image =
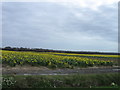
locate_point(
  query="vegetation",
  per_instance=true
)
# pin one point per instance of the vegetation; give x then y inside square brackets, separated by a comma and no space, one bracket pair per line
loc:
[51,60]
[45,81]
[86,55]
[58,51]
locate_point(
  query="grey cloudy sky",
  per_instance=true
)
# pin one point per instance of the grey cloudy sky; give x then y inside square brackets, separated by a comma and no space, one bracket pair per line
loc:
[84,26]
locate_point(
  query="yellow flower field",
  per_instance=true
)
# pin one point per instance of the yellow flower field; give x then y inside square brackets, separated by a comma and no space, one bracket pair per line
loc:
[51,60]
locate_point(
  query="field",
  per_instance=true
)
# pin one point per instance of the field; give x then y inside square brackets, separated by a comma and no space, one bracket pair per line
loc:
[57,60]
[49,62]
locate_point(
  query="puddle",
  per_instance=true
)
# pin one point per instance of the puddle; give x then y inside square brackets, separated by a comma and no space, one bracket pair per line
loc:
[46,74]
[116,69]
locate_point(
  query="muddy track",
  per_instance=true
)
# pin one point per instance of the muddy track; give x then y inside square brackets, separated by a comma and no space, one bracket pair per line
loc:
[28,70]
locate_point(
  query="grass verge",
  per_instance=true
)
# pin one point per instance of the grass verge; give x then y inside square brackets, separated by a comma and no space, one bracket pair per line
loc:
[110,80]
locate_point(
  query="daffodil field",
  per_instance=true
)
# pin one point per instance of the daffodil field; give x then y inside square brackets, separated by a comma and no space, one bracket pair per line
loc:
[52,60]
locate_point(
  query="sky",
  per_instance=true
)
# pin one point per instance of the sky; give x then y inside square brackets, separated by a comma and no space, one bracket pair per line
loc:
[77,25]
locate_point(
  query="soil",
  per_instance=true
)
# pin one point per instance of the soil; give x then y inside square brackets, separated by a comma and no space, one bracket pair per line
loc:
[32,70]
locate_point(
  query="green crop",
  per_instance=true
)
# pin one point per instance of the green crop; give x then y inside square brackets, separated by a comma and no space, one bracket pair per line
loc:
[14,58]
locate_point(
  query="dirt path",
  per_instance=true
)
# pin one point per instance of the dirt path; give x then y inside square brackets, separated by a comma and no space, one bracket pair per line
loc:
[29,70]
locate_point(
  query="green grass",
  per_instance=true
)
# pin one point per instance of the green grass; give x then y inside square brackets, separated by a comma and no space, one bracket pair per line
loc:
[58,81]
[107,87]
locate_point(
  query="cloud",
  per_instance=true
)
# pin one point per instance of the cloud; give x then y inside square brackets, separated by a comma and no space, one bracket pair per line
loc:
[69,26]
[0,25]
[92,4]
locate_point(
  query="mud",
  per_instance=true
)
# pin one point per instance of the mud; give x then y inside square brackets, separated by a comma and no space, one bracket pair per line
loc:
[30,70]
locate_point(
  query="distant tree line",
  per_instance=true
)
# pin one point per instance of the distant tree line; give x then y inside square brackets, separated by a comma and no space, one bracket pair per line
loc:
[59,51]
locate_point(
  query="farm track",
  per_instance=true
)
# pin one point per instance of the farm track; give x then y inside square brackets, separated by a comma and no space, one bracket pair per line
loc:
[28,70]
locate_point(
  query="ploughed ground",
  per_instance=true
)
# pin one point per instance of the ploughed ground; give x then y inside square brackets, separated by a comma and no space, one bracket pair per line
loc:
[33,70]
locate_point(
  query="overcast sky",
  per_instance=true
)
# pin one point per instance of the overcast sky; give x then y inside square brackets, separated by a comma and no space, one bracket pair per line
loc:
[84,25]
